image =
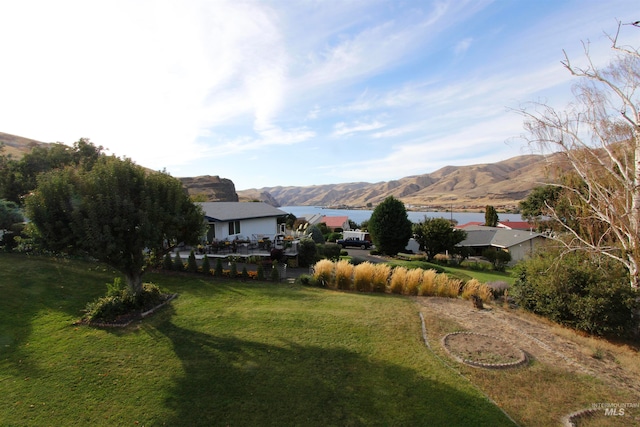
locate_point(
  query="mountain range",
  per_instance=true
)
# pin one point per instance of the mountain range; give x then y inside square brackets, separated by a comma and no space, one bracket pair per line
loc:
[502,185]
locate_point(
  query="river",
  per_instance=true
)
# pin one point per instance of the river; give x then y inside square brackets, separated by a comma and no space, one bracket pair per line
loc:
[359,216]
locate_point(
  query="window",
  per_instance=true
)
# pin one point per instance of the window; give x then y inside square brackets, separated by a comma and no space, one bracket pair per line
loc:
[234,227]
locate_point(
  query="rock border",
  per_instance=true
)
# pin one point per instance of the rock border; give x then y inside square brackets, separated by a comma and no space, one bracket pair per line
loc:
[521,360]
[572,419]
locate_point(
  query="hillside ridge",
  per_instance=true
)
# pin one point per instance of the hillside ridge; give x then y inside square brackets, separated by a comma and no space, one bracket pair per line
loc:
[502,185]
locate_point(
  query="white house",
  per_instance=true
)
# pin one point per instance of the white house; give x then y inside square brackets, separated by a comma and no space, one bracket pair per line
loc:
[242,221]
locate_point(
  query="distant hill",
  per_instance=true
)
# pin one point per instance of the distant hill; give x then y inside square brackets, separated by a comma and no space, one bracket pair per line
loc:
[18,146]
[502,185]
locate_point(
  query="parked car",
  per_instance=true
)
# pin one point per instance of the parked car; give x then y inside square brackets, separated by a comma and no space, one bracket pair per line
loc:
[354,243]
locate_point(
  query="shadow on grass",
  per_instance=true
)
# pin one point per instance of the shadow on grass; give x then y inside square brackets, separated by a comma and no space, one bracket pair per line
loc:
[230,381]
[33,284]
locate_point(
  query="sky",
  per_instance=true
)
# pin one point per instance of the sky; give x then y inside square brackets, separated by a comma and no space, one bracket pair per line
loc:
[295,92]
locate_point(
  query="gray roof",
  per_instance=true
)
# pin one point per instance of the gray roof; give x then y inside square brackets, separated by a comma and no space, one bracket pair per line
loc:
[494,236]
[231,211]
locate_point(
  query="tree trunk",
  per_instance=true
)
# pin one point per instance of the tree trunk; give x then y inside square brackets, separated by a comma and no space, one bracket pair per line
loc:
[134,281]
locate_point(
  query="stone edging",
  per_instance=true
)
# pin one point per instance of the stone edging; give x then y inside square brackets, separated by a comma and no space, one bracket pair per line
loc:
[521,361]
[571,419]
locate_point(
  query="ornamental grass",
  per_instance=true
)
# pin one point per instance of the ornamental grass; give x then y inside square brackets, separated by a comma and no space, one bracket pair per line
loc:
[343,275]
[428,284]
[398,280]
[380,277]
[413,280]
[363,275]
[474,287]
[446,286]
[323,272]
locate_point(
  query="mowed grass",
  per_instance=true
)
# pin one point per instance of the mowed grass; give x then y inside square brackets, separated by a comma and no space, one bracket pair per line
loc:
[223,353]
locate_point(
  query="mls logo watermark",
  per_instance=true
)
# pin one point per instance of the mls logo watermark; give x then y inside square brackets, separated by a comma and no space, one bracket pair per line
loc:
[614,409]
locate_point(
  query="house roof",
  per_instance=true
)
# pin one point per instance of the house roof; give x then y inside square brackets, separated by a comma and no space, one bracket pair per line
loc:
[496,236]
[335,221]
[232,211]
[515,225]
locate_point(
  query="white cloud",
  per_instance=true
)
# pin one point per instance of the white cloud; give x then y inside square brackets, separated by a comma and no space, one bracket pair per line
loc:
[463,45]
[342,129]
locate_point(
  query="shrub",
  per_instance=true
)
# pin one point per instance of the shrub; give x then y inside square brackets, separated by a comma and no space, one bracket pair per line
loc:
[343,275]
[586,292]
[245,273]
[306,280]
[260,272]
[275,273]
[120,302]
[206,266]
[233,270]
[167,262]
[192,265]
[498,288]
[381,277]
[218,271]
[474,287]
[363,275]
[428,284]
[412,285]
[330,251]
[307,252]
[441,259]
[498,258]
[323,272]
[446,286]
[178,265]
[398,280]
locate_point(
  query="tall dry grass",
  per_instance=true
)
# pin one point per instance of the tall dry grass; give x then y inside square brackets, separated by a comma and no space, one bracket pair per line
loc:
[474,287]
[398,279]
[447,286]
[381,277]
[413,281]
[363,277]
[323,272]
[343,275]
[428,284]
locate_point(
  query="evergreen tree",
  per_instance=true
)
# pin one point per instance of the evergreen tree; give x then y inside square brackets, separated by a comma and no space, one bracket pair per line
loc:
[490,216]
[206,266]
[390,226]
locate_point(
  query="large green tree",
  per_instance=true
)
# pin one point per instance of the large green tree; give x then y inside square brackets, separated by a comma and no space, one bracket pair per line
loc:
[436,236]
[116,212]
[390,227]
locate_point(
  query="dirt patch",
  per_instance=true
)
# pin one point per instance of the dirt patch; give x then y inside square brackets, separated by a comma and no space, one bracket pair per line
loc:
[483,350]
[538,340]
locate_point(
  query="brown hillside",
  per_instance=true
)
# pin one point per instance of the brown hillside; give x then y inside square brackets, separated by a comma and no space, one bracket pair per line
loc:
[503,185]
[17,146]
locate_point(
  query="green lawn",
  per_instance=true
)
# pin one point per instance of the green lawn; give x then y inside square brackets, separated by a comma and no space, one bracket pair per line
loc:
[223,353]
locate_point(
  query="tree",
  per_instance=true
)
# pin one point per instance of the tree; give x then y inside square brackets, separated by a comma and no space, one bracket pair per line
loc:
[9,214]
[390,226]
[437,235]
[497,257]
[490,216]
[598,138]
[115,212]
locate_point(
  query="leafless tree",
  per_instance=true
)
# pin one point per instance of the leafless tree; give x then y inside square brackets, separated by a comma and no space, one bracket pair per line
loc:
[598,135]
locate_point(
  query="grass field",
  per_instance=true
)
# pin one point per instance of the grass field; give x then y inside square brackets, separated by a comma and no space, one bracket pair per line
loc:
[223,353]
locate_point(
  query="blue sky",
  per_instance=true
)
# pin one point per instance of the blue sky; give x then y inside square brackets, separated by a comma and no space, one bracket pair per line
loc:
[294,92]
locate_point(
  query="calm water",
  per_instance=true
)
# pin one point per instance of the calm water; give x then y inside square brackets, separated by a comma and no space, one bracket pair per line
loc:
[362,215]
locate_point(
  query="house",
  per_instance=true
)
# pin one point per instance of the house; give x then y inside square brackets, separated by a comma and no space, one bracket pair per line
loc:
[335,222]
[242,221]
[518,243]
[509,225]
[332,222]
